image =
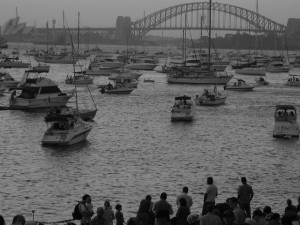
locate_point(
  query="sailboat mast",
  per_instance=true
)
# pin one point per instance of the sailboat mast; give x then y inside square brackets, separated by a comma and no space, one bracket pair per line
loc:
[47,35]
[17,31]
[256,37]
[209,34]
[78,31]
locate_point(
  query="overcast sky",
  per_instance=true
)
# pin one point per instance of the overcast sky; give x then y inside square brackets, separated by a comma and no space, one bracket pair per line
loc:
[103,13]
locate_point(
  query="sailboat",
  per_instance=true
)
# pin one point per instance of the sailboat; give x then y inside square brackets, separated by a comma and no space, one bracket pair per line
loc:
[87,113]
[198,75]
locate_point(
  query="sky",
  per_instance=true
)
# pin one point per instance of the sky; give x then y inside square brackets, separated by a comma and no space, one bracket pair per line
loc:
[103,13]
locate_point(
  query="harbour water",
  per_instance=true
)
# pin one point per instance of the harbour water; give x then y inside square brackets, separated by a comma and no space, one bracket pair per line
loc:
[134,150]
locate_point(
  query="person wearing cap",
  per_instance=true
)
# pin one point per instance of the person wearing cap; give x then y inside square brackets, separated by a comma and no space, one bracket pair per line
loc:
[99,219]
[245,195]
[210,195]
[162,210]
[185,195]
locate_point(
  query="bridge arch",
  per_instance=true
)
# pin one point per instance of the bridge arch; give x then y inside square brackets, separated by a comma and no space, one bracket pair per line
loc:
[152,21]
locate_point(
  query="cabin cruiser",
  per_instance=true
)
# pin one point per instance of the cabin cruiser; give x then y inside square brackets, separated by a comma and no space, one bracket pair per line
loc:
[42,68]
[124,73]
[185,75]
[277,67]
[142,63]
[38,92]
[79,78]
[13,62]
[211,97]
[286,124]
[183,109]
[239,85]
[65,129]
[117,88]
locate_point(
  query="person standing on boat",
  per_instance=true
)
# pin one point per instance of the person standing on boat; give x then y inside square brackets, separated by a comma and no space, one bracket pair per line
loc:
[210,195]
[12,97]
[86,209]
[245,195]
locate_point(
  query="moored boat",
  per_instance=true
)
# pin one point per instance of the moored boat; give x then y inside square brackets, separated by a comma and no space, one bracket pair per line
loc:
[7,80]
[38,92]
[183,109]
[65,129]
[240,85]
[277,67]
[293,80]
[42,68]
[211,97]
[286,124]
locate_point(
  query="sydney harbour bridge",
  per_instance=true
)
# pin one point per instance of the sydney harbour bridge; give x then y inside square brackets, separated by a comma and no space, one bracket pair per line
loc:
[193,16]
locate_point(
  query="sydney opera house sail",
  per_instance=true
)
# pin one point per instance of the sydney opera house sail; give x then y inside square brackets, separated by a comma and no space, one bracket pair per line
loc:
[10,26]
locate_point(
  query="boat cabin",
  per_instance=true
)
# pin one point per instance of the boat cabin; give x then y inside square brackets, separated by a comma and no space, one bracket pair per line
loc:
[286,113]
[183,102]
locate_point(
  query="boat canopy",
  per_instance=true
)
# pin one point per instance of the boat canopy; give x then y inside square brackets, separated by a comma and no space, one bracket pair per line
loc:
[184,97]
[58,117]
[285,107]
[240,80]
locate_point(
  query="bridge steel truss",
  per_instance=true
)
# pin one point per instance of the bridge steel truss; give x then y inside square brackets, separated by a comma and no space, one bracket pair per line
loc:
[256,22]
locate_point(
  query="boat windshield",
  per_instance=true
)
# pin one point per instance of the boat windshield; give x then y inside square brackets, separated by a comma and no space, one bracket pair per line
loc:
[285,114]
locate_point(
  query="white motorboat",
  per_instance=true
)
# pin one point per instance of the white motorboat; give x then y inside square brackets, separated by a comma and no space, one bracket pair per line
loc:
[183,109]
[42,68]
[7,80]
[141,63]
[129,82]
[293,81]
[97,69]
[211,97]
[38,92]
[124,73]
[196,76]
[80,79]
[261,81]
[65,129]
[13,62]
[286,124]
[239,85]
[119,89]
[277,67]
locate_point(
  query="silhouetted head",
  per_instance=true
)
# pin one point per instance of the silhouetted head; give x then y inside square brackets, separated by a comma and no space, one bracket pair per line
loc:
[185,189]
[18,220]
[118,207]
[289,202]
[163,196]
[244,180]
[210,180]
[148,197]
[86,198]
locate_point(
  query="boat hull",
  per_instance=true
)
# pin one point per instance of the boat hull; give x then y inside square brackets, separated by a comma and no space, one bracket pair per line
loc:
[119,91]
[239,88]
[210,102]
[141,66]
[70,138]
[285,129]
[199,80]
[252,71]
[46,102]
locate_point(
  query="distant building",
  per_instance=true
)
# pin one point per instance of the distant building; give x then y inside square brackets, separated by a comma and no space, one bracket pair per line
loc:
[123,28]
[293,32]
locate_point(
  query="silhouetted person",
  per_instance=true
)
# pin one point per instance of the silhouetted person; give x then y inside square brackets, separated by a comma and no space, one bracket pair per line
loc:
[245,195]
